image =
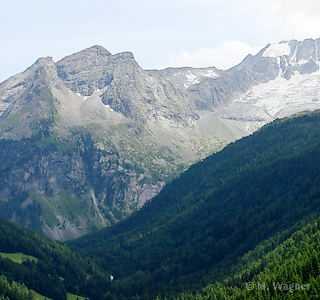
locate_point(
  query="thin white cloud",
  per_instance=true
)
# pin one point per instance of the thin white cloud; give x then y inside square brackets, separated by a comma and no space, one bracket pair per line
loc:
[151,29]
[226,55]
[285,19]
[271,20]
[299,26]
[285,7]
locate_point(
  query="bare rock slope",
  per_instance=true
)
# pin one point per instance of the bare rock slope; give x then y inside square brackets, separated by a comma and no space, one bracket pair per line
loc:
[89,139]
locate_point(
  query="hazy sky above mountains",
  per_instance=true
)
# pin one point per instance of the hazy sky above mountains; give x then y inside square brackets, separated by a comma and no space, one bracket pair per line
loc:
[198,33]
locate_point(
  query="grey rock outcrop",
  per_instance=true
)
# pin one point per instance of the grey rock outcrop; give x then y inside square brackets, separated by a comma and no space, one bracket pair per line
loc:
[89,139]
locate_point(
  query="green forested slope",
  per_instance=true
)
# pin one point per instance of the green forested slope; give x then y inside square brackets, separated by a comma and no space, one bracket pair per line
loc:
[247,215]
[290,271]
[56,270]
[14,291]
[196,230]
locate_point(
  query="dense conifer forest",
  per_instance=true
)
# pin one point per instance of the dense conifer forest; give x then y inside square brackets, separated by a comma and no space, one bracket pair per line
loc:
[290,271]
[198,228]
[242,224]
[56,271]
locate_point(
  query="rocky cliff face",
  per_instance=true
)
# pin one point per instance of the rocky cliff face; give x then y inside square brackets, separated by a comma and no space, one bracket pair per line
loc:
[89,139]
[124,87]
[100,137]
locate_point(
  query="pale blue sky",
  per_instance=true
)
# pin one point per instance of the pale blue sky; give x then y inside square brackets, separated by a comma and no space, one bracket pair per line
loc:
[163,33]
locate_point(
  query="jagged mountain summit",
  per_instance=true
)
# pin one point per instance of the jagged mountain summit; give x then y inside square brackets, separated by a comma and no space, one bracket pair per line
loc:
[89,139]
[294,84]
[280,80]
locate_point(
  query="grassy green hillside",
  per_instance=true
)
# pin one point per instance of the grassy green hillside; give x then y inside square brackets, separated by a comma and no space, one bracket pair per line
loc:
[48,268]
[198,228]
[18,291]
[18,257]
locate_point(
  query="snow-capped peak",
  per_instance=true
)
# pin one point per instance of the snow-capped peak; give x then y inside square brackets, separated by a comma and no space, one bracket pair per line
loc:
[277,50]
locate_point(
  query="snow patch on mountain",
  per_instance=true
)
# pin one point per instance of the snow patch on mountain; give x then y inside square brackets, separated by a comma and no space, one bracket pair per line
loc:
[302,62]
[277,50]
[210,74]
[192,79]
[280,97]
[195,76]
[276,98]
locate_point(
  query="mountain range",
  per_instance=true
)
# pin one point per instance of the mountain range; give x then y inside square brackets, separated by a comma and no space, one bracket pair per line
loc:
[84,146]
[241,224]
[89,139]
